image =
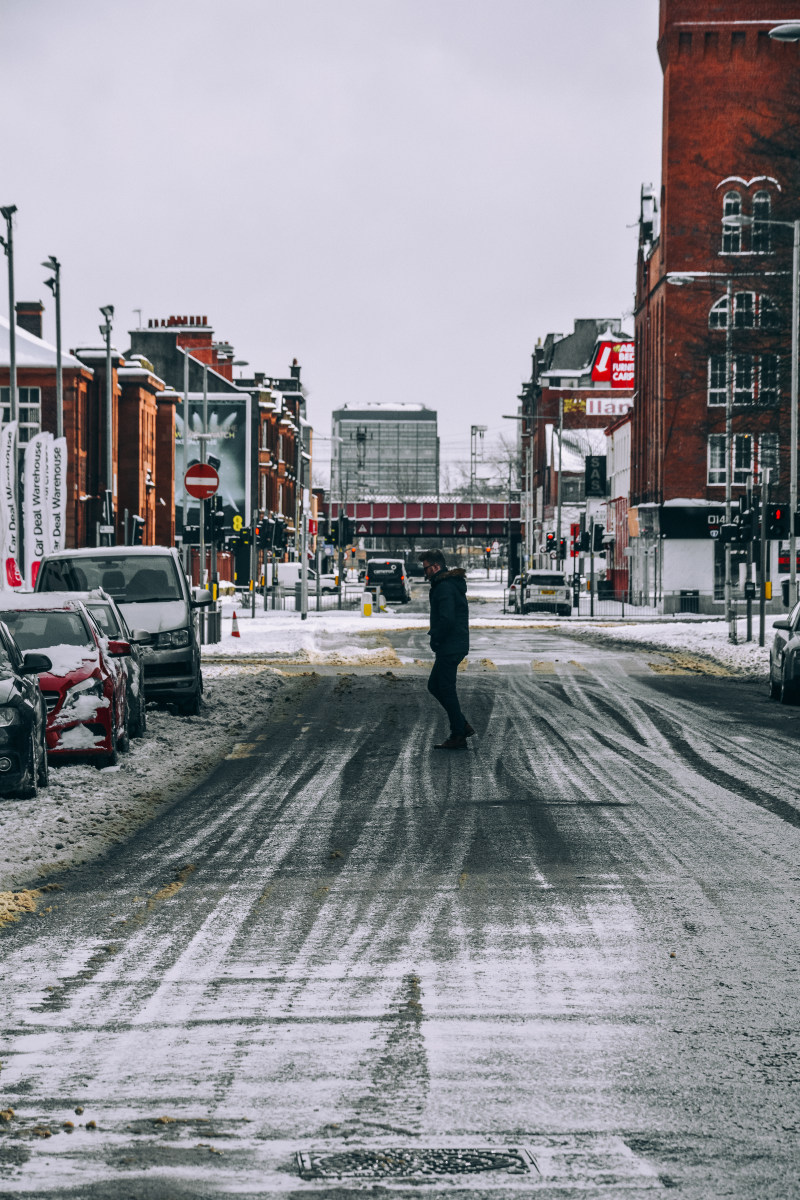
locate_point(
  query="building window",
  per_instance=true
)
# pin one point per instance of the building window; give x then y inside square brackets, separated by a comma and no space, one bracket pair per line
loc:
[769,454]
[29,404]
[768,385]
[716,459]
[768,314]
[731,234]
[743,379]
[744,310]
[718,316]
[743,447]
[750,310]
[717,379]
[762,208]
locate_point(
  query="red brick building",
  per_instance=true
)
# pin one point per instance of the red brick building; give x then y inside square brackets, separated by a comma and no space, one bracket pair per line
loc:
[730,149]
[573,373]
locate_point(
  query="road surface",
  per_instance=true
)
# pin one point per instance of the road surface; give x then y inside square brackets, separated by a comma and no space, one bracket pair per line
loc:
[561,963]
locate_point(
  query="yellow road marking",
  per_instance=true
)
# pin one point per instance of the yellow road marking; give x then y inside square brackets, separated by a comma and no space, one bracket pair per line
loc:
[544,668]
[574,663]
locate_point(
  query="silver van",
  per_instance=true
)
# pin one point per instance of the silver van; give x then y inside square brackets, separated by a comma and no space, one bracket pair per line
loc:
[153,593]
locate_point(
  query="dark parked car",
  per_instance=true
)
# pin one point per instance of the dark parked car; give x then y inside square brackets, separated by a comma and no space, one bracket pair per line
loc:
[23,720]
[784,658]
[388,574]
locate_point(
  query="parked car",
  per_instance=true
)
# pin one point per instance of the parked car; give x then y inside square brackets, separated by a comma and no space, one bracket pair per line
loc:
[513,593]
[547,591]
[388,574]
[784,658]
[153,594]
[289,575]
[23,720]
[84,692]
[109,617]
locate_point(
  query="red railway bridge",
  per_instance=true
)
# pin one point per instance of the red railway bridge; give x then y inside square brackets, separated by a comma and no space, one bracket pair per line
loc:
[432,518]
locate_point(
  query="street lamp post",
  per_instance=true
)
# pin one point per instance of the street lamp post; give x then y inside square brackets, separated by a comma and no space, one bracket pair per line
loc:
[52,264]
[8,246]
[105,331]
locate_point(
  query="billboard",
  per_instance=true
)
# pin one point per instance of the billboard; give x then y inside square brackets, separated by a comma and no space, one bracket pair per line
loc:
[229,427]
[614,364]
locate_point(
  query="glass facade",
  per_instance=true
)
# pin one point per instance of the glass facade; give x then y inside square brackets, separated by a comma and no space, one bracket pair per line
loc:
[392,452]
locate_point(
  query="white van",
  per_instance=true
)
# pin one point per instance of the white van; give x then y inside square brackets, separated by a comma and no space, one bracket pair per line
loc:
[289,575]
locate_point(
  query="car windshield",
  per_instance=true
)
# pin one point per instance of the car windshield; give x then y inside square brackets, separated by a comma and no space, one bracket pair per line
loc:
[128,578]
[104,615]
[544,580]
[40,630]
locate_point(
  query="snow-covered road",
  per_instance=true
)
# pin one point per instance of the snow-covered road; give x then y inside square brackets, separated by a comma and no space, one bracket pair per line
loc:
[576,938]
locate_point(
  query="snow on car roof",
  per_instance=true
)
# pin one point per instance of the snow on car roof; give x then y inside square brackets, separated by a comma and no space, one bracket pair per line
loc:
[39,600]
[110,551]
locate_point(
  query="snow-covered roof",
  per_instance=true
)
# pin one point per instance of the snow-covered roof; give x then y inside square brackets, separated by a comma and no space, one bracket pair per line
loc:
[576,444]
[32,351]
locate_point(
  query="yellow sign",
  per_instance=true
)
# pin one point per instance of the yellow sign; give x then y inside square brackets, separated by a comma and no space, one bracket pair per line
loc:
[237,523]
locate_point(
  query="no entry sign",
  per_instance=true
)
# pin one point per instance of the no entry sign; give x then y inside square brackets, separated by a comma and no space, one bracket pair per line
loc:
[201,481]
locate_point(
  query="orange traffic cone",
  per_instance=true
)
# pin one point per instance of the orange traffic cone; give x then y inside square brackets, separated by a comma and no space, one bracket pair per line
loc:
[235,627]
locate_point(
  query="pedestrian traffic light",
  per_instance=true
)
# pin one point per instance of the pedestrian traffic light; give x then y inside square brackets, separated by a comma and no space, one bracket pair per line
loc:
[777,520]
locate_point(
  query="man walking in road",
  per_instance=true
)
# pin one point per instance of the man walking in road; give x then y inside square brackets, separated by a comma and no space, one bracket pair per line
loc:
[449,634]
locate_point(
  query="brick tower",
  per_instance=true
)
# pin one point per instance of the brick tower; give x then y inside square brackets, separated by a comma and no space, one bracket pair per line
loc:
[731,147]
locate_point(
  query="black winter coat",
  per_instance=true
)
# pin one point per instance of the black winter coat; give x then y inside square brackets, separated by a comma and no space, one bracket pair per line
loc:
[449,613]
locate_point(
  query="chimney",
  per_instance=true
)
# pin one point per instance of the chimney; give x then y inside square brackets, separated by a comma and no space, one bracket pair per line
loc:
[295,369]
[29,316]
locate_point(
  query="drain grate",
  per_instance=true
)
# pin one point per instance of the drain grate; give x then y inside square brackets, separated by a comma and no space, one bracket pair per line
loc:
[420,1163]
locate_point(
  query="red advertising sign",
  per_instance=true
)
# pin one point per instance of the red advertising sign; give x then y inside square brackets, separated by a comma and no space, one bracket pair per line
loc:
[614,364]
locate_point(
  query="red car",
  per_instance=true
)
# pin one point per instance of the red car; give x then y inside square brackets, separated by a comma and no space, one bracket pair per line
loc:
[85,690]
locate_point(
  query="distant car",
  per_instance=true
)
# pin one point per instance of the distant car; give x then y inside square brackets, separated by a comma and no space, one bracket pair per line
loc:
[23,720]
[85,695]
[784,658]
[547,591]
[513,593]
[151,589]
[388,574]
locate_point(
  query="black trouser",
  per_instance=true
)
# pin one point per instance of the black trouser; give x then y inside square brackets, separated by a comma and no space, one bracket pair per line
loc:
[442,686]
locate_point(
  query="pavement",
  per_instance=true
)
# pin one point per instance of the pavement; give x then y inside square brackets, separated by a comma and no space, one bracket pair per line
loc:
[561,963]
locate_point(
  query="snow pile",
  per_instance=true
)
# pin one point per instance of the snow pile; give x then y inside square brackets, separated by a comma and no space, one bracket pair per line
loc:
[709,638]
[84,811]
[331,637]
[66,659]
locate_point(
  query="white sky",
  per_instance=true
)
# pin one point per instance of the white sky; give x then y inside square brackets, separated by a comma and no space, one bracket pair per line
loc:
[403,194]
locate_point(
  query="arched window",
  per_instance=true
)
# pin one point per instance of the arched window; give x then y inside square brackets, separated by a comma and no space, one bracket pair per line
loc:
[731,234]
[718,316]
[762,209]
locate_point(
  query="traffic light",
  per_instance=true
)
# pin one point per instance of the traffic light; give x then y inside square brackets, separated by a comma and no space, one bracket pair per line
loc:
[279,536]
[597,544]
[343,528]
[551,542]
[266,534]
[586,542]
[562,548]
[777,520]
[488,552]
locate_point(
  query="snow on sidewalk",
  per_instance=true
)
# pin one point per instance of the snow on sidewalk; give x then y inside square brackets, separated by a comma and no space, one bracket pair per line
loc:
[709,638]
[85,810]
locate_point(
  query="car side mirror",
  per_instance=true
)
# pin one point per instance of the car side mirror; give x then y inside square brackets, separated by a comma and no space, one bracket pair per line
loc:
[117,649]
[140,637]
[36,664]
[201,597]
[781,623]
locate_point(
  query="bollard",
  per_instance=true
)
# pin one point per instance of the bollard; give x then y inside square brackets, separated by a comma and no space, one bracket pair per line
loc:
[366,604]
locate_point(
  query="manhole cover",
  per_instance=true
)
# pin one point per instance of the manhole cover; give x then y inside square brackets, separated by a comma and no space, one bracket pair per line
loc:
[388,1163]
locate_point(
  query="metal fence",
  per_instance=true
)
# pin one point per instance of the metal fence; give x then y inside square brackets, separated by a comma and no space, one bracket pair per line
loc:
[592,607]
[287,599]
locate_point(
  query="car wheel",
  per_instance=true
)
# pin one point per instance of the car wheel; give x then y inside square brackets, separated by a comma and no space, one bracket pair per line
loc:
[774,688]
[110,760]
[124,743]
[191,707]
[29,784]
[788,690]
[44,765]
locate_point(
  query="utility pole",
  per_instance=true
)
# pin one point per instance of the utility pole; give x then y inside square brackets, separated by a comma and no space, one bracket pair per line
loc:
[202,514]
[108,519]
[793,417]
[762,598]
[729,459]
[748,588]
[8,245]
[54,284]
[558,494]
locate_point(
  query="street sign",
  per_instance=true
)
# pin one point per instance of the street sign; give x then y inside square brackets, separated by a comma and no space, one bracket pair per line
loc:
[554,555]
[106,528]
[201,481]
[462,529]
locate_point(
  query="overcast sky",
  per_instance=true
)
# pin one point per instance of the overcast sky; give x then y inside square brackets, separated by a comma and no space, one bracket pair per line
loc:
[403,194]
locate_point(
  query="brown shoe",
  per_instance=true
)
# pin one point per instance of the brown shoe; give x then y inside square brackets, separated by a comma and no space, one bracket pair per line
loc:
[468,730]
[454,742]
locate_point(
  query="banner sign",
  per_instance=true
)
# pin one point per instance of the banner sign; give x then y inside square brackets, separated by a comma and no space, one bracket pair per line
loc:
[58,492]
[614,364]
[36,491]
[9,515]
[227,425]
[605,406]
[595,475]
